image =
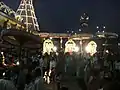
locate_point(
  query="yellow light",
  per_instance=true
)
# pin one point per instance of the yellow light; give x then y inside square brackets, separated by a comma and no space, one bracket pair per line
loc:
[3,58]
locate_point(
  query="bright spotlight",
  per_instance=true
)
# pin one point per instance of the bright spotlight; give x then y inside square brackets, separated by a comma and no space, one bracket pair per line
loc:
[55,49]
[103,31]
[76,49]
[18,63]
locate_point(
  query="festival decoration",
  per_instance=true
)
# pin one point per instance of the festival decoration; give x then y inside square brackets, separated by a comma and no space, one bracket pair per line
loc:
[70,46]
[91,48]
[48,46]
[27,13]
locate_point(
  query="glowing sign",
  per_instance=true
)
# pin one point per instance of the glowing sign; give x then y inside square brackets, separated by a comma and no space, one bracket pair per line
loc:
[70,46]
[91,47]
[48,46]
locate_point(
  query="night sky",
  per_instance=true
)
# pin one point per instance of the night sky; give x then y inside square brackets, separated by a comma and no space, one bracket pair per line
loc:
[57,15]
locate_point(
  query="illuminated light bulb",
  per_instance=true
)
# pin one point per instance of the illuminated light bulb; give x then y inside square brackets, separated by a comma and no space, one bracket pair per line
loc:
[4,74]
[2,53]
[104,27]
[107,51]
[97,27]
[18,63]
[3,59]
[51,38]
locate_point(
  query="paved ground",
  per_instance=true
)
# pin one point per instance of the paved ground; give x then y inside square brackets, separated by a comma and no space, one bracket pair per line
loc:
[69,82]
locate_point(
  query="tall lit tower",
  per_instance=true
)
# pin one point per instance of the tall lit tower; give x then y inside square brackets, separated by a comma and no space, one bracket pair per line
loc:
[27,13]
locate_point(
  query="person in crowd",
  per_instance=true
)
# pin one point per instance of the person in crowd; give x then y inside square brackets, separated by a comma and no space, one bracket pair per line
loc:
[58,80]
[7,85]
[21,82]
[94,80]
[39,84]
[52,63]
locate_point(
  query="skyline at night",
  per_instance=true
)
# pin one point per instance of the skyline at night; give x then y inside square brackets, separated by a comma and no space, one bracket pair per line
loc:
[57,15]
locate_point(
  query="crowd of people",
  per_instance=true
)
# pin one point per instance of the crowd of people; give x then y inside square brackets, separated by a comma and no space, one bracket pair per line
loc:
[93,72]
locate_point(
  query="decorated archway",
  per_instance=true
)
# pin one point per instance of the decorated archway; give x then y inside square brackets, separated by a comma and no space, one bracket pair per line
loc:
[70,46]
[48,46]
[91,47]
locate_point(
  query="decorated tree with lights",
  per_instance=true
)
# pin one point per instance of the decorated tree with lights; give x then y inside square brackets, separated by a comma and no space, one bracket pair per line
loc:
[27,13]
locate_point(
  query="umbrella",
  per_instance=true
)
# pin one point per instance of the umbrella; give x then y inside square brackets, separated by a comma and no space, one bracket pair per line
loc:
[17,37]
[21,39]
